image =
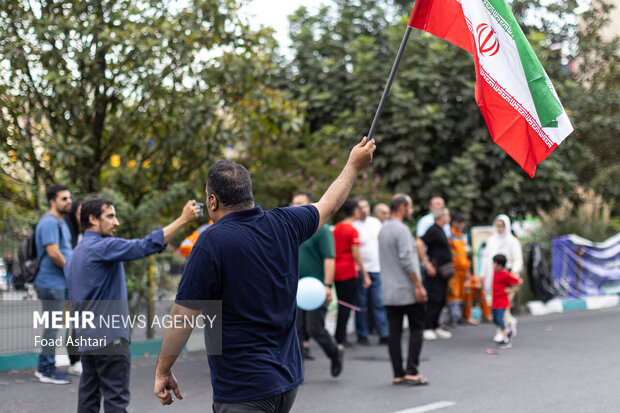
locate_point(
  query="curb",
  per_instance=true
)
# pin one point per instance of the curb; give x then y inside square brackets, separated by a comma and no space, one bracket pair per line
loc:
[29,360]
[558,305]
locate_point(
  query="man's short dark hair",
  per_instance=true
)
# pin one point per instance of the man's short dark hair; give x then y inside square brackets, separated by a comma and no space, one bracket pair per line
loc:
[304,193]
[360,198]
[94,207]
[500,259]
[53,191]
[231,184]
[458,217]
[349,207]
[396,202]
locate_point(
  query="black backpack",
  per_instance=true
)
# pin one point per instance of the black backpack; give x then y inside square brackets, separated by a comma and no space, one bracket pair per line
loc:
[27,255]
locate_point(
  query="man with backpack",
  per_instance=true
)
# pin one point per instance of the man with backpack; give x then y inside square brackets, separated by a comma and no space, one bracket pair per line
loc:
[53,248]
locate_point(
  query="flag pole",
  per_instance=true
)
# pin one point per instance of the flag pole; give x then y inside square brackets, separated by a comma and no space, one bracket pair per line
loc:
[388,85]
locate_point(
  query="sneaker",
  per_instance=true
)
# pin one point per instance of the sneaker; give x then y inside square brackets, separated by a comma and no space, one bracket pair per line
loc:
[336,367]
[383,341]
[498,338]
[363,341]
[443,334]
[53,376]
[504,344]
[75,369]
[430,335]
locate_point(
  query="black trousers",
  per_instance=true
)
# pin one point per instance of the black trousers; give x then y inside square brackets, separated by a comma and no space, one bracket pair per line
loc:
[415,315]
[437,290]
[105,375]
[346,291]
[280,403]
[313,323]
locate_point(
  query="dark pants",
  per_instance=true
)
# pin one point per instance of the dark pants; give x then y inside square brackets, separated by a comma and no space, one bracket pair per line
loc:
[346,291]
[107,376]
[52,299]
[437,290]
[280,403]
[415,315]
[313,323]
[370,299]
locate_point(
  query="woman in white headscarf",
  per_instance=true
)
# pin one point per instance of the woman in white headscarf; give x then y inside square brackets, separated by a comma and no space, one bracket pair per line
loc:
[502,242]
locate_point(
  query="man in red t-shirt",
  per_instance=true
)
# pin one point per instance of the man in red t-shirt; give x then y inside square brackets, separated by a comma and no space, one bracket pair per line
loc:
[502,282]
[347,246]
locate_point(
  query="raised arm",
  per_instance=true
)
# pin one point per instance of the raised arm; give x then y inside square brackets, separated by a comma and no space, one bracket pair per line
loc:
[360,158]
[190,213]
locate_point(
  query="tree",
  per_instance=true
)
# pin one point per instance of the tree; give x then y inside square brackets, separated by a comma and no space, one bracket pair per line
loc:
[132,83]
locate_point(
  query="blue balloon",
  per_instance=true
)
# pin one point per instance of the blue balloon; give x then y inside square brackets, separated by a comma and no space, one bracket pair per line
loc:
[310,293]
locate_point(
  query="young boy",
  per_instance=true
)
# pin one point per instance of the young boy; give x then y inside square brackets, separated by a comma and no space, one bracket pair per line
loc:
[502,281]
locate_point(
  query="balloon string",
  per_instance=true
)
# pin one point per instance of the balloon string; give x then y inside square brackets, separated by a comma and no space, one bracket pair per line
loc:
[351,306]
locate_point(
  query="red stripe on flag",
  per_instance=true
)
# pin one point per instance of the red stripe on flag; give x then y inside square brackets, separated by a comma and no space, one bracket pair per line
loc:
[510,129]
[445,19]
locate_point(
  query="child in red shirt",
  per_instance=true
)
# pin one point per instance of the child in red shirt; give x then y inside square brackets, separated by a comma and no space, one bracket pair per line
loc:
[502,280]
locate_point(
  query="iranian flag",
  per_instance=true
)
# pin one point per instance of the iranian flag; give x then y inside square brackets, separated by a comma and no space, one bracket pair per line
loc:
[520,106]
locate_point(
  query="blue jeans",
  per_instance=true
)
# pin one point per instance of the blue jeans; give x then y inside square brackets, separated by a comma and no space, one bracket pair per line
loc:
[371,298]
[498,317]
[51,300]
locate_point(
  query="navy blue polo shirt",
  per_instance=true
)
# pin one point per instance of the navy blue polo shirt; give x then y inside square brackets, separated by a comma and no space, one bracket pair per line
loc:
[249,260]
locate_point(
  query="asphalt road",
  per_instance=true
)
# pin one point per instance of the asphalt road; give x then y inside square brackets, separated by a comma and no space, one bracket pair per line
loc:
[558,363]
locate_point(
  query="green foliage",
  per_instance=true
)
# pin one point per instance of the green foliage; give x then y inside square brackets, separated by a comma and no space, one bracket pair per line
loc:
[586,215]
[89,80]
[595,101]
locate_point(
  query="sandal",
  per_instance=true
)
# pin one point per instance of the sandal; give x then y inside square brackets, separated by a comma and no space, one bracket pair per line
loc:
[418,381]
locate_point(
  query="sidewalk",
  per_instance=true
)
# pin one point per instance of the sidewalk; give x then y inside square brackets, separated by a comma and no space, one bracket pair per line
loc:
[558,305]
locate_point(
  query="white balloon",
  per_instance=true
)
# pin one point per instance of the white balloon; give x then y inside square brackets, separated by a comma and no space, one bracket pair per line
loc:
[310,293]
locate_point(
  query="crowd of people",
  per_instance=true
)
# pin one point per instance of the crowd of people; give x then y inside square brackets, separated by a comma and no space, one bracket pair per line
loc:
[383,273]
[251,260]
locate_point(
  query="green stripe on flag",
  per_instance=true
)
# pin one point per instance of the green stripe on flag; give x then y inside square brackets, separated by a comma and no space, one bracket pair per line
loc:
[548,107]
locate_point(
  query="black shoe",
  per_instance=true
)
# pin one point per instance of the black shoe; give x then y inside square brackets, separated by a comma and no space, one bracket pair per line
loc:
[363,341]
[305,354]
[336,367]
[383,341]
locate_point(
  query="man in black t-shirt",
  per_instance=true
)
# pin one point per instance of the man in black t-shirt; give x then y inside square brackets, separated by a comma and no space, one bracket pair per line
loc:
[437,253]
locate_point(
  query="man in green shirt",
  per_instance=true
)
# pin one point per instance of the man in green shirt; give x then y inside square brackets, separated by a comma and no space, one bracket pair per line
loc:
[316,259]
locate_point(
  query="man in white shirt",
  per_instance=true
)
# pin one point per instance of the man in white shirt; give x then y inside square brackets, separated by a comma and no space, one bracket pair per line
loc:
[369,298]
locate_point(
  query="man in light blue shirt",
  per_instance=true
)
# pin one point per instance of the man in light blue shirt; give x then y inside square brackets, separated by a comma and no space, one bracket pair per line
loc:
[53,242]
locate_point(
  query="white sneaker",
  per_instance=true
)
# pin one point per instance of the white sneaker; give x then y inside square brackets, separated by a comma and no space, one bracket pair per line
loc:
[429,335]
[441,333]
[499,337]
[75,369]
